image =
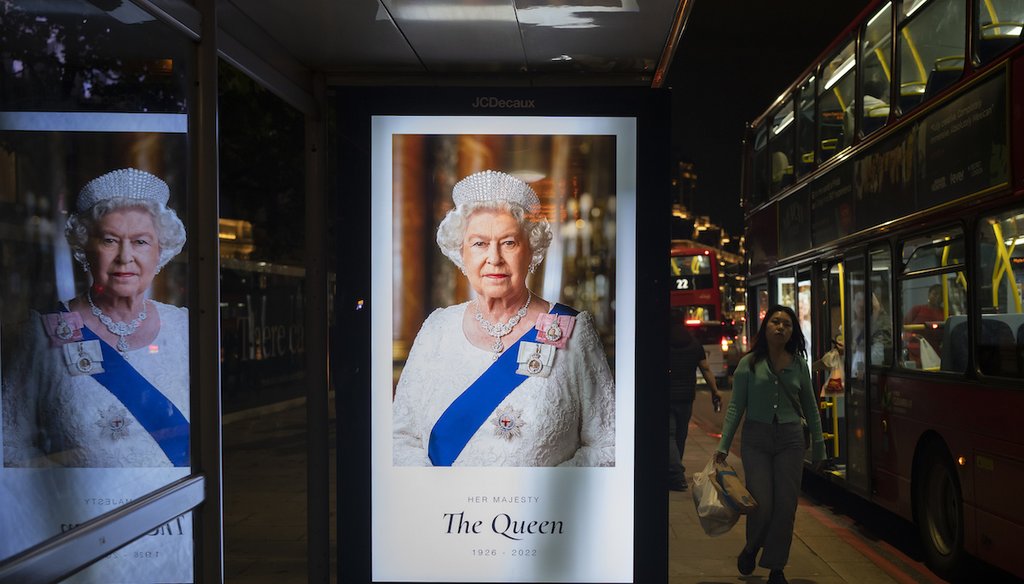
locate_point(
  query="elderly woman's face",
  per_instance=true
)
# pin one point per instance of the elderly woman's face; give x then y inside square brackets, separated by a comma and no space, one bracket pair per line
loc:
[123,253]
[495,254]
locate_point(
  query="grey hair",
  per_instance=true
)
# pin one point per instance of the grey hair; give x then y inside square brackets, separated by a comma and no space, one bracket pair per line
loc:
[452,230]
[170,230]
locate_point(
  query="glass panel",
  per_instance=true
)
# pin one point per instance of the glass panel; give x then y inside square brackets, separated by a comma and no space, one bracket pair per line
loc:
[939,250]
[1000,343]
[806,123]
[93,330]
[835,102]
[931,51]
[762,306]
[803,294]
[692,272]
[782,147]
[934,323]
[934,335]
[880,327]
[831,365]
[876,50]
[911,6]
[785,291]
[759,187]
[1000,23]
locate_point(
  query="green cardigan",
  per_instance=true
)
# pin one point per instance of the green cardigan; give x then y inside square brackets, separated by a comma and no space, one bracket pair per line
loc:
[759,394]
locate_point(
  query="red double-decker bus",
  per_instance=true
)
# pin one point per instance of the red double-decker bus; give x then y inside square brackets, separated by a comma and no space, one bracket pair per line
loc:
[694,281]
[884,197]
[696,298]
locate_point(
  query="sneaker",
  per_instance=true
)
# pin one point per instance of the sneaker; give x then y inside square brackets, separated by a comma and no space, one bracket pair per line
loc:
[677,487]
[777,577]
[745,562]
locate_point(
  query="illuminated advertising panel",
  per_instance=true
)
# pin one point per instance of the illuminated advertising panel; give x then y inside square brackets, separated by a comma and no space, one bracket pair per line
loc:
[95,401]
[498,333]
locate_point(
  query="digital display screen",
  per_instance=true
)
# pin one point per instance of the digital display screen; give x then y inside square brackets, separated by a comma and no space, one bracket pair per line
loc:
[541,485]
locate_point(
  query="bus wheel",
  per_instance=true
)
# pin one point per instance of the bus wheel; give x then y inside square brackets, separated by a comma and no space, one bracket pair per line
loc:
[939,510]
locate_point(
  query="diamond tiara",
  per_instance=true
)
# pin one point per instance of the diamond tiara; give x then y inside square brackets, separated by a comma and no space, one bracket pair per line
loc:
[128,183]
[492,185]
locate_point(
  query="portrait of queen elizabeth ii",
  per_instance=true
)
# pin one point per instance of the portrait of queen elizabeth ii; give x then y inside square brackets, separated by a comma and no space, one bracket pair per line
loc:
[507,378]
[101,379]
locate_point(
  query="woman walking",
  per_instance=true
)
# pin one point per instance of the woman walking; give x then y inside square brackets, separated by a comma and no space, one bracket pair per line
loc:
[772,386]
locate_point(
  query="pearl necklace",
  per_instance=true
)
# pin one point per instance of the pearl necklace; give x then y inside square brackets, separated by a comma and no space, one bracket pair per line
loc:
[500,329]
[121,329]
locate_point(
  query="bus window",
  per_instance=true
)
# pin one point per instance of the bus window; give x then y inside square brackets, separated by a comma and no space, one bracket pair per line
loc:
[782,147]
[880,326]
[830,362]
[876,69]
[762,306]
[836,102]
[805,125]
[931,49]
[935,324]
[1000,342]
[785,291]
[803,302]
[695,289]
[759,179]
[999,27]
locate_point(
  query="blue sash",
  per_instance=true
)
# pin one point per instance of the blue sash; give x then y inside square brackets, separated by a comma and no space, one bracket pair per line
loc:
[469,411]
[157,414]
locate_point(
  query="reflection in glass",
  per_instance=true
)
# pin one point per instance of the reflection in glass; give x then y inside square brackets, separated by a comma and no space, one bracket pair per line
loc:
[1000,23]
[836,102]
[934,306]
[1000,282]
[876,69]
[86,88]
[931,51]
[782,145]
[759,172]
[805,127]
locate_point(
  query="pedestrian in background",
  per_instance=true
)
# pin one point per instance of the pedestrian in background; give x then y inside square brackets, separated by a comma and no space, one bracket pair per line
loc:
[686,355]
[772,386]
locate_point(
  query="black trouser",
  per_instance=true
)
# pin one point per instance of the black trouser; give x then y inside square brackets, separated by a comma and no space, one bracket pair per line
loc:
[679,412]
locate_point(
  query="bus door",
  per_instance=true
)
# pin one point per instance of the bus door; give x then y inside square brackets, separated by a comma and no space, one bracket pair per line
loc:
[863,315]
[829,364]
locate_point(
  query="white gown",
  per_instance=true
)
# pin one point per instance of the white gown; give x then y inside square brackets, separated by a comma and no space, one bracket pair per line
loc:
[568,418]
[53,418]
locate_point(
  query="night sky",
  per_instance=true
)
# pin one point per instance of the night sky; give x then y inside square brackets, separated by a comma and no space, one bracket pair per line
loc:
[734,59]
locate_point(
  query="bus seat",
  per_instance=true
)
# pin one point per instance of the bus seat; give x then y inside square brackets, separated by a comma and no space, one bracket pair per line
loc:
[911,94]
[954,345]
[945,71]
[875,117]
[997,37]
[1020,351]
[997,347]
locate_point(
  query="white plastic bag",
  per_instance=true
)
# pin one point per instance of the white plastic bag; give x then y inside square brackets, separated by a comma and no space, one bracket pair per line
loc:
[716,517]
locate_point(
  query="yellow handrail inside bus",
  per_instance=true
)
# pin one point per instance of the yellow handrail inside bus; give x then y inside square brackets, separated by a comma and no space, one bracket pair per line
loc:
[839,97]
[885,65]
[842,296]
[922,74]
[1003,266]
[991,11]
[695,265]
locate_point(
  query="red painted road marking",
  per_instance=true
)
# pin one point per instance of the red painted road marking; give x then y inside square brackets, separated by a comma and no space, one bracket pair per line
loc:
[855,541]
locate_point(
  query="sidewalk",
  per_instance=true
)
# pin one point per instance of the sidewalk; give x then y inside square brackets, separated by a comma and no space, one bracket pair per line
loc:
[822,553]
